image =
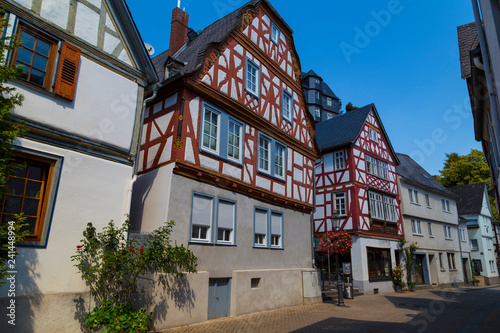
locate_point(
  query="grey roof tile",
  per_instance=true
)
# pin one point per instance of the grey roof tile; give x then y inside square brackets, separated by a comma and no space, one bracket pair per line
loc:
[467,41]
[412,171]
[471,198]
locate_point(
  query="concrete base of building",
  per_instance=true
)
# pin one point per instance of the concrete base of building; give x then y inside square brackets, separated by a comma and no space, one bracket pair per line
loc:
[491,280]
[312,300]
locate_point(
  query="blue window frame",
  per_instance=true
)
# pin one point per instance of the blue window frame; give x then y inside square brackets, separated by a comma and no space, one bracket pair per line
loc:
[202,218]
[252,80]
[271,157]
[276,230]
[275,33]
[221,135]
[226,221]
[287,106]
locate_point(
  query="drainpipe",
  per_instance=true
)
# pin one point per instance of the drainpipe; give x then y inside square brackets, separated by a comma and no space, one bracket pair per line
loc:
[461,259]
[314,211]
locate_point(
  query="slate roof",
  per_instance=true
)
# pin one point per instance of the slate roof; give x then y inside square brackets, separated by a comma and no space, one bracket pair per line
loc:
[471,198]
[192,54]
[325,88]
[412,171]
[341,130]
[467,41]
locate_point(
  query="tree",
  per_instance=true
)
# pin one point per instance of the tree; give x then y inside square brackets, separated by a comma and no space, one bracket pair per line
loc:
[10,233]
[467,169]
[349,107]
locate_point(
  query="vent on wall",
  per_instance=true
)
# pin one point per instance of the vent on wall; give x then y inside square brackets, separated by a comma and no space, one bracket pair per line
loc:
[255,283]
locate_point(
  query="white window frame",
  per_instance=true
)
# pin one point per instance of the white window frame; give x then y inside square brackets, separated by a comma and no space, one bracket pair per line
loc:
[340,203]
[492,266]
[276,239]
[264,154]
[390,209]
[489,244]
[250,78]
[451,261]
[427,201]
[339,160]
[279,168]
[373,134]
[231,229]
[272,157]
[445,203]
[474,245]
[447,232]
[287,107]
[265,232]
[317,112]
[275,33]
[416,227]
[463,236]
[383,169]
[239,136]
[376,205]
[328,101]
[429,227]
[208,108]
[371,165]
[413,196]
[195,213]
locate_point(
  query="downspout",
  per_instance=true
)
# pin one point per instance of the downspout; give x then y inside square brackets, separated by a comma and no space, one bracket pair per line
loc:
[314,211]
[461,258]
[156,87]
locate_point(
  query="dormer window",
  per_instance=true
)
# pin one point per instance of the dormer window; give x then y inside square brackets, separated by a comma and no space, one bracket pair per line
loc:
[169,71]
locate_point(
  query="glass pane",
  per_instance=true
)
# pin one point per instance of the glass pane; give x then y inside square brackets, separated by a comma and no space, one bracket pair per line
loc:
[30,207]
[7,218]
[35,172]
[33,189]
[220,234]
[25,69]
[206,139]
[40,62]
[24,55]
[203,233]
[37,77]
[42,47]
[12,205]
[230,151]
[16,186]
[19,169]
[31,221]
[27,40]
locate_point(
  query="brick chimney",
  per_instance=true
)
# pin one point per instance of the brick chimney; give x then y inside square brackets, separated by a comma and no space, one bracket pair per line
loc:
[178,30]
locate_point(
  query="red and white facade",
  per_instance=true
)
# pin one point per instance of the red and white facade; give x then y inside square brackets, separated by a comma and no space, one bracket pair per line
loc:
[358,180]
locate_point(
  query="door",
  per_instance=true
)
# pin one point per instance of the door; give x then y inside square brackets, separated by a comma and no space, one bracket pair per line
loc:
[433,269]
[219,298]
[422,273]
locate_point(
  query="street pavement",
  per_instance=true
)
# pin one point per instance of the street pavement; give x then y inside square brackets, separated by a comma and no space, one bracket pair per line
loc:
[461,310]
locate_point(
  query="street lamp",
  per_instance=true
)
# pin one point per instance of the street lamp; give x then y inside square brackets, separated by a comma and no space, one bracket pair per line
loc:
[336,220]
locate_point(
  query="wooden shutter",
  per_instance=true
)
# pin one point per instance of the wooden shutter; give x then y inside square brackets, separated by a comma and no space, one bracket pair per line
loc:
[67,71]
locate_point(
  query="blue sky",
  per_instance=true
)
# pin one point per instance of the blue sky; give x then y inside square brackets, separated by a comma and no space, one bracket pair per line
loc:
[401,55]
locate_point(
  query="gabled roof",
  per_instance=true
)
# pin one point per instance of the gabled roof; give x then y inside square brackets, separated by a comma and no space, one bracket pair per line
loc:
[467,41]
[471,198]
[413,172]
[192,54]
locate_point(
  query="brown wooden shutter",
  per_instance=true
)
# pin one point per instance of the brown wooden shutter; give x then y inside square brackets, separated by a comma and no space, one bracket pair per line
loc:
[67,71]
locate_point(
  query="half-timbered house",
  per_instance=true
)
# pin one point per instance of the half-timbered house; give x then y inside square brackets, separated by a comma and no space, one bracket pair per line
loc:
[85,72]
[357,180]
[227,152]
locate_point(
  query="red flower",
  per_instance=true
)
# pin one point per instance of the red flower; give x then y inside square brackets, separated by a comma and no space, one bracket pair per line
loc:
[131,249]
[78,246]
[195,265]
[141,250]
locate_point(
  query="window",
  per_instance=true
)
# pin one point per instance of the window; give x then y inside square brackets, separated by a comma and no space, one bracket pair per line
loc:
[340,203]
[376,207]
[316,93]
[427,201]
[390,209]
[413,195]
[430,229]
[441,261]
[379,264]
[371,165]
[275,33]
[31,190]
[329,116]
[287,106]
[252,79]
[492,266]
[338,158]
[202,217]
[328,101]
[36,55]
[276,230]
[489,244]
[221,135]
[316,81]
[463,236]
[474,245]
[226,221]
[447,232]
[382,170]
[260,227]
[373,134]
[415,227]
[269,147]
[451,261]
[446,205]
[478,266]
[317,113]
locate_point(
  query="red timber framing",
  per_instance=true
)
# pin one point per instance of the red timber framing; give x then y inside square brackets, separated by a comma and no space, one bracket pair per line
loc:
[173,121]
[355,181]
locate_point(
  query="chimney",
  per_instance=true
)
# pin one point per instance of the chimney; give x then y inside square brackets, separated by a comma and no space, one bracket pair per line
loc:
[178,30]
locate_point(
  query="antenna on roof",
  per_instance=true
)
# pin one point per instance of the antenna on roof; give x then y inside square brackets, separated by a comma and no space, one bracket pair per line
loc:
[179,4]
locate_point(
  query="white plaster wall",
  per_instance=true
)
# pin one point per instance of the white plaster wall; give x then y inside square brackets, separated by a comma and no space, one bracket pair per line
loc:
[90,190]
[438,241]
[102,117]
[360,263]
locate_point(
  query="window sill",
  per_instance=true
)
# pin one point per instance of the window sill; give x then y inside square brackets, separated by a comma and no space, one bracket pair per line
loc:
[418,235]
[429,207]
[260,246]
[443,270]
[415,203]
[449,239]
[264,173]
[431,236]
[217,156]
[200,242]
[251,93]
[276,248]
[453,270]
[225,244]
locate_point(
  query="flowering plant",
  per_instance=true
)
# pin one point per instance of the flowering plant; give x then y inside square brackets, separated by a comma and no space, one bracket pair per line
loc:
[336,242]
[397,276]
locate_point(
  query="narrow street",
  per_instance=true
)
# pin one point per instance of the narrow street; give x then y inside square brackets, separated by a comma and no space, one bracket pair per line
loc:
[475,309]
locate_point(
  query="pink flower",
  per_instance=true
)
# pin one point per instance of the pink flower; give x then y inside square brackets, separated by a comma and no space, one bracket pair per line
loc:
[131,249]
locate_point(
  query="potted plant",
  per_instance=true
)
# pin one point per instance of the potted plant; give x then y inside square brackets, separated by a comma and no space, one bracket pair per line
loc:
[397,276]
[411,285]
